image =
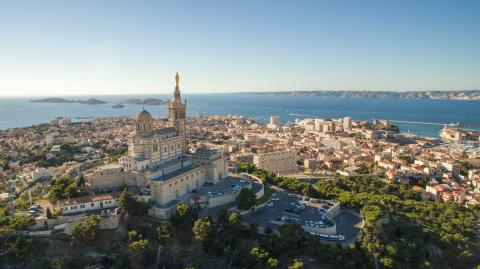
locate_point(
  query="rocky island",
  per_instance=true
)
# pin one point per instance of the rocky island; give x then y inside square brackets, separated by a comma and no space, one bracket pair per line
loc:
[118,106]
[453,95]
[146,102]
[91,101]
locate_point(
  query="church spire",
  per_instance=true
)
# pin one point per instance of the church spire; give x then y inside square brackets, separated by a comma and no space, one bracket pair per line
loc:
[177,113]
[176,93]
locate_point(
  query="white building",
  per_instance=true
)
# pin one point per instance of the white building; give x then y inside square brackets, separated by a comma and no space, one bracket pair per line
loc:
[42,173]
[452,167]
[347,123]
[274,122]
[88,203]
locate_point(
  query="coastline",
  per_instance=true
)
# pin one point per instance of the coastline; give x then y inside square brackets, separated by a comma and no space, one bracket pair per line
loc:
[19,112]
[389,95]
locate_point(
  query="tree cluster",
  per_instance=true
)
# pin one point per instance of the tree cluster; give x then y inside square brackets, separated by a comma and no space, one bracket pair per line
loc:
[132,206]
[246,168]
[288,183]
[403,230]
[86,231]
[242,246]
[246,199]
[66,187]
[10,223]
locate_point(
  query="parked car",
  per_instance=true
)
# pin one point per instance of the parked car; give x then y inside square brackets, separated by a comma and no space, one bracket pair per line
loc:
[34,207]
[333,238]
[324,237]
[33,212]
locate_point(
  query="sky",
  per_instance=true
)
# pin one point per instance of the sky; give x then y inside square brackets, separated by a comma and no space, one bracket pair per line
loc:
[93,47]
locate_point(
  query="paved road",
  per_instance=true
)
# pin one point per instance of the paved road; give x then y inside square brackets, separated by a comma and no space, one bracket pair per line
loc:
[349,224]
[213,211]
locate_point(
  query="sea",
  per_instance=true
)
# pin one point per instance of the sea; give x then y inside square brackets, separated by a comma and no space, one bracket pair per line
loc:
[423,117]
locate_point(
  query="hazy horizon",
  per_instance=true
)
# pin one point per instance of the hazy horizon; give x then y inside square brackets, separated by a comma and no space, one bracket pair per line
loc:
[162,92]
[58,48]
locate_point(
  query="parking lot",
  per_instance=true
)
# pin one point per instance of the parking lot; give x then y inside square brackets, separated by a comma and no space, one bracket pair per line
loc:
[294,209]
[227,186]
[287,208]
[224,187]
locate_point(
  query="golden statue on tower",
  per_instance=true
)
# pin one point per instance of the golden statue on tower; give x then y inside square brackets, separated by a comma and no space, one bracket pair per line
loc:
[177,80]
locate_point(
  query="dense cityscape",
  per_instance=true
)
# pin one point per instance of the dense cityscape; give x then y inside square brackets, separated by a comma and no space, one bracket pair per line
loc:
[224,190]
[295,135]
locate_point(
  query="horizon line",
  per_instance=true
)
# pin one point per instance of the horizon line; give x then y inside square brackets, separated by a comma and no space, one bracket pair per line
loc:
[229,92]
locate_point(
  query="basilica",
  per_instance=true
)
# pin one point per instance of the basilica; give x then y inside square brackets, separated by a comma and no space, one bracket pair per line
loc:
[157,160]
[151,148]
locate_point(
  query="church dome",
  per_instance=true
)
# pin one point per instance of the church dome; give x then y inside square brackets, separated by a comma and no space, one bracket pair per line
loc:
[143,116]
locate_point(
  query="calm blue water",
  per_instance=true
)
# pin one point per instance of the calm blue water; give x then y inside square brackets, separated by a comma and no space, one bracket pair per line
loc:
[19,112]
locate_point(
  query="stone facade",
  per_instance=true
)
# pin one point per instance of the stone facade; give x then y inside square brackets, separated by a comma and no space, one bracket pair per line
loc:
[115,176]
[150,149]
[277,162]
[157,159]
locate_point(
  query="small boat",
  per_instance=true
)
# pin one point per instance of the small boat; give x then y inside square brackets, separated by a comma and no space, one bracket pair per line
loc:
[118,106]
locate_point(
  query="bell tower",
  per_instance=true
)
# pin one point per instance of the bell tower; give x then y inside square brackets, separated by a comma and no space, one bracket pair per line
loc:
[177,113]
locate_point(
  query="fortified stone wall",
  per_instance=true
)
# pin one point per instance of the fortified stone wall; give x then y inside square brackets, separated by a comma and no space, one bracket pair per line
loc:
[106,222]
